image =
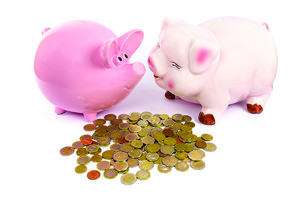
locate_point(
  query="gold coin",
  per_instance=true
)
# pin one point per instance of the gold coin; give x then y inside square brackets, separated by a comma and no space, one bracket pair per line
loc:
[182,166]
[112,128]
[137,144]
[158,161]
[103,141]
[96,158]
[167,149]
[152,156]
[110,117]
[126,147]
[177,117]
[103,165]
[108,154]
[191,124]
[82,152]
[77,145]
[89,127]
[164,116]
[123,116]
[83,160]
[168,122]
[189,147]
[134,116]
[120,166]
[186,137]
[181,155]
[197,164]
[143,174]
[115,147]
[169,161]
[135,153]
[207,137]
[154,121]
[196,155]
[92,148]
[187,118]
[153,148]
[80,169]
[125,171]
[178,125]
[128,179]
[146,115]
[66,151]
[159,136]
[143,133]
[142,157]
[170,141]
[98,122]
[85,136]
[135,128]
[132,162]
[148,140]
[114,135]
[142,123]
[120,156]
[146,165]
[186,128]
[124,126]
[110,173]
[180,147]
[163,168]
[210,147]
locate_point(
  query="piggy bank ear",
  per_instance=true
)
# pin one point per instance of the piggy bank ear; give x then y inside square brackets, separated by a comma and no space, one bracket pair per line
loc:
[202,55]
[107,52]
[169,21]
[130,41]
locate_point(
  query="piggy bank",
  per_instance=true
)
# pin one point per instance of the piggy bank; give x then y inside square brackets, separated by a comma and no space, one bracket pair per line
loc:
[83,67]
[217,63]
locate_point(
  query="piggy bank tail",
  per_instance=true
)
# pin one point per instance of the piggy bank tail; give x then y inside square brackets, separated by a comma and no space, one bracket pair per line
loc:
[266,26]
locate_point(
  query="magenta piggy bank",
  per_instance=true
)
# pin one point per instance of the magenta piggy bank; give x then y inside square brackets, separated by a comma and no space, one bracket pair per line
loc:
[217,63]
[83,67]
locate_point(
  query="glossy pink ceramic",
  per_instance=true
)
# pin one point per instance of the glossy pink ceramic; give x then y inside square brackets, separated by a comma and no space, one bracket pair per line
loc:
[217,63]
[83,67]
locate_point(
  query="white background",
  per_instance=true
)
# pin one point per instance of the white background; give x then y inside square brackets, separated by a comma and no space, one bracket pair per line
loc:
[257,155]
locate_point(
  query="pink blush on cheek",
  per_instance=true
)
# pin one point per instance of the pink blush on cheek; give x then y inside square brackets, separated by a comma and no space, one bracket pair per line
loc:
[202,56]
[170,84]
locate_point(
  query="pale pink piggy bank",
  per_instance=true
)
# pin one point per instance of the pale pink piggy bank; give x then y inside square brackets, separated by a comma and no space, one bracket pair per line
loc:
[83,67]
[217,63]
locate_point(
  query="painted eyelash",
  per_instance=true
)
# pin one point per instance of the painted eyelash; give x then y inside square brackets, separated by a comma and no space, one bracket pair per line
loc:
[176,65]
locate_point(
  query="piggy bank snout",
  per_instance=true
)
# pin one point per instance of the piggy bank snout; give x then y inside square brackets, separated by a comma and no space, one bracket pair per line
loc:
[139,69]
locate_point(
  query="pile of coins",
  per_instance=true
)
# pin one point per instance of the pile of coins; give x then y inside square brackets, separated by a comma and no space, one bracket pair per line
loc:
[143,140]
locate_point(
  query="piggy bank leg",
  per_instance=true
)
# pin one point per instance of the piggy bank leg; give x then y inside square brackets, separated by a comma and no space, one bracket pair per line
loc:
[209,116]
[255,104]
[213,107]
[59,111]
[170,95]
[90,116]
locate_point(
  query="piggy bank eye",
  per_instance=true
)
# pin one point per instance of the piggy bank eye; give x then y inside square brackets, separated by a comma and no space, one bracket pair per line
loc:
[125,55]
[120,59]
[176,65]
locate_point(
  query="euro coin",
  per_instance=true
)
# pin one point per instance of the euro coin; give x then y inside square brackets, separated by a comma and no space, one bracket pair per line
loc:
[98,122]
[120,156]
[163,168]
[143,174]
[153,148]
[108,154]
[207,137]
[196,155]
[77,145]
[110,173]
[169,161]
[182,166]
[201,144]
[103,141]
[128,179]
[152,156]
[89,127]
[123,116]
[135,153]
[126,147]
[92,148]
[210,147]
[177,117]
[83,160]
[93,175]
[82,152]
[146,165]
[120,166]
[132,162]
[187,118]
[197,165]
[103,165]
[115,147]
[167,149]
[137,144]
[148,140]
[96,158]
[168,122]
[110,117]
[164,116]
[66,151]
[80,169]
[170,141]
[130,137]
